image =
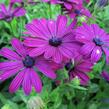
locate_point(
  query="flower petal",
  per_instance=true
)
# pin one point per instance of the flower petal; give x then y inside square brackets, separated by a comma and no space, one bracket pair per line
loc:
[52,27]
[61,25]
[36,51]
[19,11]
[96,54]
[10,65]
[106,51]
[34,42]
[3,8]
[8,73]
[18,46]
[44,67]
[87,48]
[36,81]
[35,32]
[17,81]
[27,87]
[11,55]
[105,75]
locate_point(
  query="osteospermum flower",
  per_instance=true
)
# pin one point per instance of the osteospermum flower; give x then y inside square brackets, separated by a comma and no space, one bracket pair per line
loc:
[78,68]
[8,13]
[52,38]
[95,40]
[78,10]
[72,7]
[25,66]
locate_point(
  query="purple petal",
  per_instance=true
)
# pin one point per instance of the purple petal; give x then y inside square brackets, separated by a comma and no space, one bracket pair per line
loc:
[106,51]
[69,38]
[42,26]
[17,81]
[87,48]
[19,11]
[85,66]
[96,54]
[57,57]
[37,51]
[36,81]
[52,27]
[35,32]
[14,1]
[84,33]
[49,52]
[10,65]
[105,75]
[1,15]
[96,29]
[84,79]
[27,87]
[44,67]
[68,5]
[8,73]
[7,53]
[61,25]
[3,8]
[35,42]
[17,45]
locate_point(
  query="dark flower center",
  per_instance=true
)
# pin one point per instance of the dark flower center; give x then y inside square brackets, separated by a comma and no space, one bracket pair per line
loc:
[28,62]
[77,12]
[55,42]
[97,41]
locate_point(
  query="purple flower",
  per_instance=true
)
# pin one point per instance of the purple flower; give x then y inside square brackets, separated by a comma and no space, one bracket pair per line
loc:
[95,40]
[78,68]
[72,7]
[105,75]
[52,38]
[24,65]
[78,10]
[8,13]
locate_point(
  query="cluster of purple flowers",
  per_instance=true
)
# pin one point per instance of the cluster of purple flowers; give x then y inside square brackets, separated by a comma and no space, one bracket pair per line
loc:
[50,45]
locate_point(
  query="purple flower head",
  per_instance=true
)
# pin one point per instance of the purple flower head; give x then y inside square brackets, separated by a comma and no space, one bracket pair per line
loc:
[8,13]
[79,67]
[25,66]
[52,38]
[95,40]
[78,10]
[72,7]
[105,75]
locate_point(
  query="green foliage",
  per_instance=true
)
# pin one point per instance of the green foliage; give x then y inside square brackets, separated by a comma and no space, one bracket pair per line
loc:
[65,95]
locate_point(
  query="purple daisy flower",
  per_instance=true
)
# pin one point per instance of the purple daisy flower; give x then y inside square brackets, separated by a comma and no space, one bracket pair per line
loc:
[79,67]
[72,7]
[52,38]
[95,40]
[9,13]
[78,10]
[24,65]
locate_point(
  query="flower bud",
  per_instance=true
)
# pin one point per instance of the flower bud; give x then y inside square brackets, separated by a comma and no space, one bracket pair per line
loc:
[35,103]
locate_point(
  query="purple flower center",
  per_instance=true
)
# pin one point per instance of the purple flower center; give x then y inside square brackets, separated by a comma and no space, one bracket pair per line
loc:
[29,62]
[98,42]
[55,41]
[77,12]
